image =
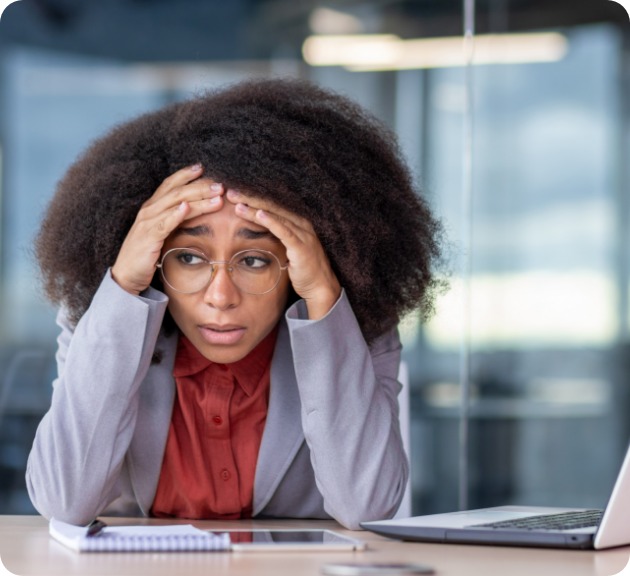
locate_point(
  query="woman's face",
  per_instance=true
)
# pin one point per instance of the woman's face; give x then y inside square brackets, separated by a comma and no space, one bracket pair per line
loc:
[223,322]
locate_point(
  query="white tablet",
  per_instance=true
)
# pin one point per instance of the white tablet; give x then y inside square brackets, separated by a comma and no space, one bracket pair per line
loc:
[291,541]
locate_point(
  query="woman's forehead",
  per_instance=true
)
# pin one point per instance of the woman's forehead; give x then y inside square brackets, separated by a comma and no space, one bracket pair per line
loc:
[224,223]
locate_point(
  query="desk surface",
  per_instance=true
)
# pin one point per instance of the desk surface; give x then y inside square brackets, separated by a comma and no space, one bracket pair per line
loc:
[26,549]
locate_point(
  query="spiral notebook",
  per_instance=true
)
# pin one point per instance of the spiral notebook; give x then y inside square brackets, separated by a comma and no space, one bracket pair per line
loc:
[174,538]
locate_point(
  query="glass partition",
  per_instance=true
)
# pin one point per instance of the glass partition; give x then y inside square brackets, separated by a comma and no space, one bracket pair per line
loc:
[547,311]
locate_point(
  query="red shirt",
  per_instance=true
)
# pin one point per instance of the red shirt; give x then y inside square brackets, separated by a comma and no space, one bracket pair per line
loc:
[212,448]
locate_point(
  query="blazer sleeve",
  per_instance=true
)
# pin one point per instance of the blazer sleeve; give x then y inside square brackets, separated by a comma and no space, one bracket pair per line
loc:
[348,393]
[81,442]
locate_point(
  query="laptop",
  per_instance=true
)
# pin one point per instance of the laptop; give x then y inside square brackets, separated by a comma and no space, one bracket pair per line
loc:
[524,525]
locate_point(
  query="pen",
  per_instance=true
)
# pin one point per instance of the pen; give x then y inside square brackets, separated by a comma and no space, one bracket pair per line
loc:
[94,529]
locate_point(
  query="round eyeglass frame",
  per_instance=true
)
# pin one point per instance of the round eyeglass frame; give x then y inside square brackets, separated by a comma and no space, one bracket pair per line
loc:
[282,268]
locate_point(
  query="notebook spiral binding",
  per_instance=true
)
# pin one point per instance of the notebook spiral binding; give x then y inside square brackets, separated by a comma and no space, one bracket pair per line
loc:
[157,543]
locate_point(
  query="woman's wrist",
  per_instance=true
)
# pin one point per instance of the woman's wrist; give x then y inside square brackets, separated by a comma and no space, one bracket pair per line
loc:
[116,276]
[319,305]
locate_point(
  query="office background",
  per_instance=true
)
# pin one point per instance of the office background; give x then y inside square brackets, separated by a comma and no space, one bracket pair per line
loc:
[550,253]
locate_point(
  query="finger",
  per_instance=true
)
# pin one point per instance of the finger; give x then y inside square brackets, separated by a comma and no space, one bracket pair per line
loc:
[280,228]
[205,206]
[249,213]
[179,178]
[235,196]
[168,221]
[195,191]
[161,227]
[258,204]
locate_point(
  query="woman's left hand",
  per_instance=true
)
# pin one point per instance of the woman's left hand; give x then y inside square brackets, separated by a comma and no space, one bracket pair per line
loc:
[309,267]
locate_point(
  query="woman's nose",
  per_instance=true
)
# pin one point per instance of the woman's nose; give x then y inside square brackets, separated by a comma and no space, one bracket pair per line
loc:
[221,292]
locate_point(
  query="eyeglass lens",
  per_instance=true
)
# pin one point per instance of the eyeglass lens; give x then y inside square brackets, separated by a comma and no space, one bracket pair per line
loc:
[252,271]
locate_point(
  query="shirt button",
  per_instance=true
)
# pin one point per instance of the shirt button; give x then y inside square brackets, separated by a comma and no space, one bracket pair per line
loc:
[223,367]
[225,475]
[217,420]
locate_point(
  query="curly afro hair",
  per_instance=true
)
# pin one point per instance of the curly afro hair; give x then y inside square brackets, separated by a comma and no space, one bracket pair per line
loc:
[305,148]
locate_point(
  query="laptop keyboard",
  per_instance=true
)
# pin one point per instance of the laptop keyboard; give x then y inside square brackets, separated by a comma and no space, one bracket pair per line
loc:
[563,521]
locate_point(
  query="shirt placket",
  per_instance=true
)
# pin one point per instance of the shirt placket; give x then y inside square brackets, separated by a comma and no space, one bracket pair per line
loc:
[220,382]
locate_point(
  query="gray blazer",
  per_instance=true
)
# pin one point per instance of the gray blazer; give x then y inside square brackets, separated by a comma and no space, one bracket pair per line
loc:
[331,445]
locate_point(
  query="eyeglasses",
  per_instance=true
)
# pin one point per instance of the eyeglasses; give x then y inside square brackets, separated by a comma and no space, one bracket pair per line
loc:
[187,270]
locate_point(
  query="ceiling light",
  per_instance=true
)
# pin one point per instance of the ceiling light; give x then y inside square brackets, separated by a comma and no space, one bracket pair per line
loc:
[356,50]
[363,52]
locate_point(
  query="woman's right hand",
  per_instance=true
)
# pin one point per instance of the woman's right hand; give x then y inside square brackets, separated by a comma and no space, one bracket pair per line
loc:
[182,196]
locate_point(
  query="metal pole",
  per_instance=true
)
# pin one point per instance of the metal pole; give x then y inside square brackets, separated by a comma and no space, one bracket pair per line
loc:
[466,216]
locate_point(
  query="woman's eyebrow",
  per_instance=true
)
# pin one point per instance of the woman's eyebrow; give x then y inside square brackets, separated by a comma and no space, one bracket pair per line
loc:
[201,230]
[245,233]
[249,234]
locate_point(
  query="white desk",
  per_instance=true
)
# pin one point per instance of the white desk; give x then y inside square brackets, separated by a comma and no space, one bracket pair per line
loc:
[26,549]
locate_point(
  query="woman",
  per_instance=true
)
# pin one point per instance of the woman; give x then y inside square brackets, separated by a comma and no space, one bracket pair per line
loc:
[231,271]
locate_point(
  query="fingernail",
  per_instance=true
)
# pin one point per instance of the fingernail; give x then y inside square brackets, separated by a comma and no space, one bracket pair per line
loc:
[182,206]
[215,200]
[233,193]
[242,207]
[216,187]
[261,215]
[196,167]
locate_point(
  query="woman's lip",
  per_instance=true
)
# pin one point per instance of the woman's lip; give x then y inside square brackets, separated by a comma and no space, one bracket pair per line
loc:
[222,335]
[222,327]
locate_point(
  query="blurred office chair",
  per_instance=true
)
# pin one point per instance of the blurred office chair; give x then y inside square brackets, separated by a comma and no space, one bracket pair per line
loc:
[26,385]
[25,391]
[404,510]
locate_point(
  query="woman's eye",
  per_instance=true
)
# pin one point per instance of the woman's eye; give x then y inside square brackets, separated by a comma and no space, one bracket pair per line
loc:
[190,259]
[255,262]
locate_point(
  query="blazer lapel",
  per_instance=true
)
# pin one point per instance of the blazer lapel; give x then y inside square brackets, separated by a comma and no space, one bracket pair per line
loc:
[283,433]
[155,407]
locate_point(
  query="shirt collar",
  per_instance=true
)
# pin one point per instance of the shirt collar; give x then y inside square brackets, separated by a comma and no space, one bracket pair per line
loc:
[248,371]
